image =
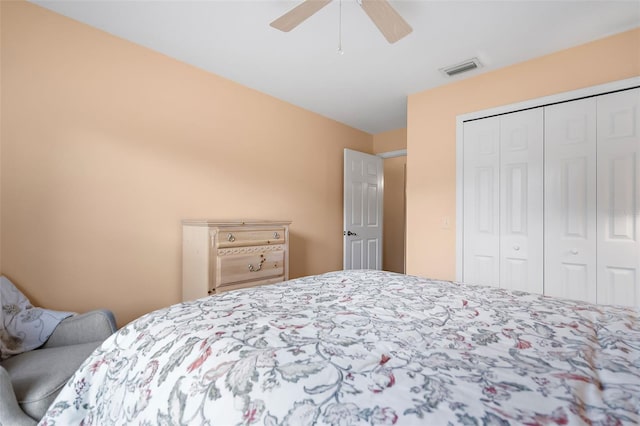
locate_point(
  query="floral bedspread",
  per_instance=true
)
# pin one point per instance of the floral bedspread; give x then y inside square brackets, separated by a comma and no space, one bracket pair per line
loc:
[364,347]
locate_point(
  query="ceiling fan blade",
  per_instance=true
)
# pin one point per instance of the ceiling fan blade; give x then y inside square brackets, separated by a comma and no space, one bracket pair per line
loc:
[298,14]
[388,21]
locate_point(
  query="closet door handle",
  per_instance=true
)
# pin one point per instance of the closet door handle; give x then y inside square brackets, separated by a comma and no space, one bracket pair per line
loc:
[574,251]
[516,248]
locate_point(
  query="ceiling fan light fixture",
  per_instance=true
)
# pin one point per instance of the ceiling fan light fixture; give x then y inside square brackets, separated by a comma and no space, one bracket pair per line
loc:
[459,68]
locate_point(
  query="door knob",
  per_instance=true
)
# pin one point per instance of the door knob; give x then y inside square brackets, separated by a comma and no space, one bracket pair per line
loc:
[516,248]
[349,233]
[574,251]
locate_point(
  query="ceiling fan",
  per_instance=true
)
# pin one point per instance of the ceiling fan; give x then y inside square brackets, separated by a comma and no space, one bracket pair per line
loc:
[392,26]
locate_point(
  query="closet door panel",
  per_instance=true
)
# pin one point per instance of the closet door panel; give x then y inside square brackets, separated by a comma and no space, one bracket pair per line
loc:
[521,198]
[481,202]
[570,200]
[618,198]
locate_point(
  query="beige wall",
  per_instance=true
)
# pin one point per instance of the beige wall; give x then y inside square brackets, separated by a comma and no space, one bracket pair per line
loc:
[431,132]
[393,239]
[106,146]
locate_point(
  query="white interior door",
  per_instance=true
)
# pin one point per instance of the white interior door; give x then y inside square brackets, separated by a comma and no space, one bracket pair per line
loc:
[570,200]
[619,197]
[363,189]
[521,201]
[481,195]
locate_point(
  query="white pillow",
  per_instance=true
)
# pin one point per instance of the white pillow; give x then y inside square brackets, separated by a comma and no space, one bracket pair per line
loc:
[23,327]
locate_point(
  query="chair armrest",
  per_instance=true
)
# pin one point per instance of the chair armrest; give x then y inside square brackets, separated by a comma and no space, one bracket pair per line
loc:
[92,326]
[10,411]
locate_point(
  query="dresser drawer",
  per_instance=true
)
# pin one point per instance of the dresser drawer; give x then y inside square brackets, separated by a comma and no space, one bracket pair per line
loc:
[249,284]
[251,238]
[235,268]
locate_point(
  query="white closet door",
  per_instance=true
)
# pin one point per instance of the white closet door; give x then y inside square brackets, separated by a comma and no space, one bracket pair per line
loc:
[481,193]
[570,200]
[619,197]
[521,198]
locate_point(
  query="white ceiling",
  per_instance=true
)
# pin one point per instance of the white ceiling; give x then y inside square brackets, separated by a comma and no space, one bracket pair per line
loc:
[367,86]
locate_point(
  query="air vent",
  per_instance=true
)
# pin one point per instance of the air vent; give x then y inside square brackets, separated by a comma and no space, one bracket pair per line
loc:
[468,65]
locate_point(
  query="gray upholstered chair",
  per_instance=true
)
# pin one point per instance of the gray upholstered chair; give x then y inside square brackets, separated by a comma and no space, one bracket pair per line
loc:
[30,381]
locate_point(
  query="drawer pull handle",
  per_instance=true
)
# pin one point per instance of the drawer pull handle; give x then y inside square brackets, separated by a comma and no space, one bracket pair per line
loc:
[253,268]
[276,235]
[231,238]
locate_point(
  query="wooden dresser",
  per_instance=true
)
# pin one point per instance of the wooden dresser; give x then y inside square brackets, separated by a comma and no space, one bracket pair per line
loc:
[221,256]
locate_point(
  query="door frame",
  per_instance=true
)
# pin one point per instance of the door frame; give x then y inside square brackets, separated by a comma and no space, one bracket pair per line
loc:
[572,95]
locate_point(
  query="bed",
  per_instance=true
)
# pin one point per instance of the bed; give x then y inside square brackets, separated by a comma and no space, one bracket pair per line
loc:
[364,347]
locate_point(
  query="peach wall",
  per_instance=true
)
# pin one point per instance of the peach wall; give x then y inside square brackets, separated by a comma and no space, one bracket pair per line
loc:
[107,145]
[393,239]
[431,133]
[393,140]
[1,121]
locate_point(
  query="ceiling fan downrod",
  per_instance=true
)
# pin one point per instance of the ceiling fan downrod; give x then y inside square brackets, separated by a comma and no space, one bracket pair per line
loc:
[340,51]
